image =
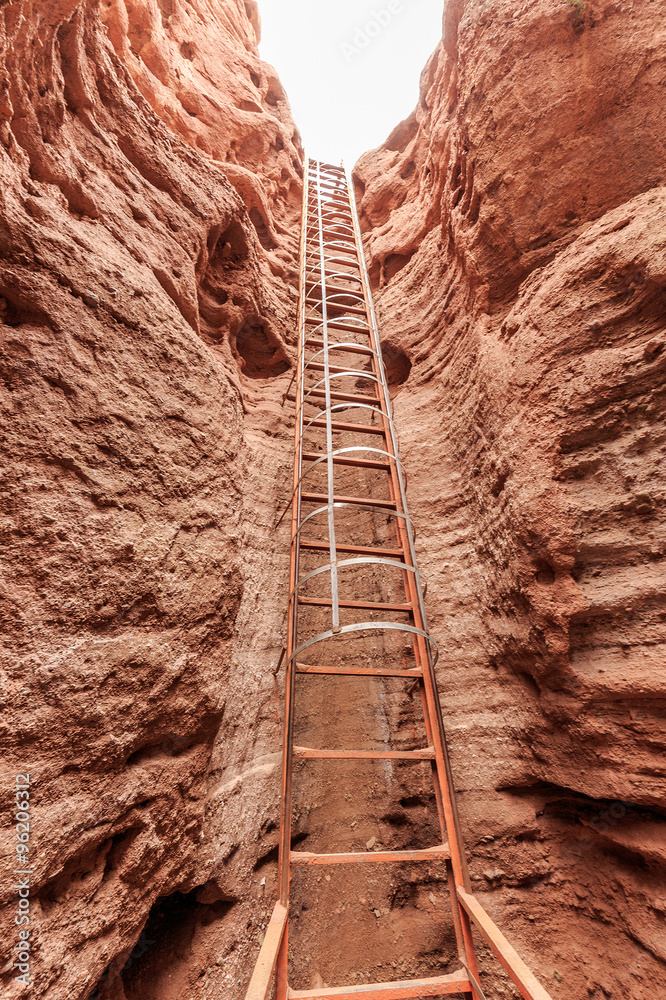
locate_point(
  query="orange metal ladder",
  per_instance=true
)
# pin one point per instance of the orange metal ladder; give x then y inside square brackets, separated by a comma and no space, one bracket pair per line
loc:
[343,427]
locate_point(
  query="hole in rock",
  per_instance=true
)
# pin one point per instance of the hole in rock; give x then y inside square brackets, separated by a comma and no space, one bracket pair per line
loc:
[116,849]
[171,746]
[408,170]
[499,483]
[261,356]
[530,684]
[187,51]
[263,232]
[231,246]
[394,263]
[545,574]
[11,314]
[178,926]
[272,98]
[397,364]
[255,79]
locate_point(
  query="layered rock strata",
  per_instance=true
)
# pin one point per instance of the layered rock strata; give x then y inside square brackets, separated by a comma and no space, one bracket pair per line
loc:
[515,235]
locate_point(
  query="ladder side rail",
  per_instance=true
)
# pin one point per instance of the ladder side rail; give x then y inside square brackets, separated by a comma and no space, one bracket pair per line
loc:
[431,687]
[285,824]
[415,590]
[330,468]
[508,957]
[264,971]
[292,622]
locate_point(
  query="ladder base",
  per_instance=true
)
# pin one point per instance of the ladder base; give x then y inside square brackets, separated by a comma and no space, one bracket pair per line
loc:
[440,852]
[360,501]
[359,550]
[341,425]
[310,753]
[438,987]
[308,668]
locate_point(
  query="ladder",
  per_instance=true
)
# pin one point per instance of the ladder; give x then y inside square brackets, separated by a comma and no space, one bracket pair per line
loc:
[356,605]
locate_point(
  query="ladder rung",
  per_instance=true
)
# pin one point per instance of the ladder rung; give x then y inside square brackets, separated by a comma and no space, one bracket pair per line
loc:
[361,501]
[335,288]
[359,463]
[341,256]
[308,753]
[321,178]
[315,273]
[340,425]
[332,346]
[326,602]
[337,212]
[313,195]
[337,306]
[334,324]
[336,186]
[312,236]
[315,248]
[331,190]
[440,852]
[307,668]
[331,227]
[331,201]
[318,366]
[344,397]
[441,986]
[360,550]
[326,203]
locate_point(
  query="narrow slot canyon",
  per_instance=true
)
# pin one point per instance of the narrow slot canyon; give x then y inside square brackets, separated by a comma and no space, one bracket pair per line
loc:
[514,229]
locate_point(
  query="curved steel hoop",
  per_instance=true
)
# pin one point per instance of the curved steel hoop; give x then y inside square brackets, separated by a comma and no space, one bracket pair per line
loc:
[343,451]
[338,345]
[340,504]
[356,319]
[346,374]
[368,627]
[337,274]
[357,561]
[346,406]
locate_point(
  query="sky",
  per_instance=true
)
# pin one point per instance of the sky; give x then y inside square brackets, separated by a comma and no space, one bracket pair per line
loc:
[351,68]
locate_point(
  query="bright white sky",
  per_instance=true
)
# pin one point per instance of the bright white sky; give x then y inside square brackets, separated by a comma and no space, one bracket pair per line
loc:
[350,67]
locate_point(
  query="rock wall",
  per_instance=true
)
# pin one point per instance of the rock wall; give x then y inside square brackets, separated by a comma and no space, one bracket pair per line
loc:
[516,239]
[150,189]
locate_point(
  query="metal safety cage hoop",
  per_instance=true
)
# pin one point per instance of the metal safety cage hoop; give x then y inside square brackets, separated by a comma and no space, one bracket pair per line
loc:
[336,318]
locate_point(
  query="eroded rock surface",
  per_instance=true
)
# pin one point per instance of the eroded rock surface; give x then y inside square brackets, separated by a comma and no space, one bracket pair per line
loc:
[147,303]
[515,233]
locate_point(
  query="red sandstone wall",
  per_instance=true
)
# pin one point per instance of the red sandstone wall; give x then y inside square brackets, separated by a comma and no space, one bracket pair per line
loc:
[149,183]
[515,232]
